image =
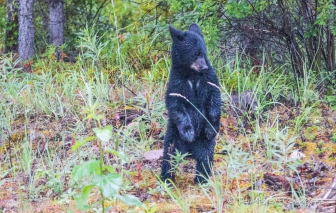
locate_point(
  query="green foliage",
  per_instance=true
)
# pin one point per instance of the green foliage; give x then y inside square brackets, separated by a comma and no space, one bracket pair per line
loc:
[121,54]
[201,12]
[54,181]
[238,9]
[333,137]
[303,118]
[27,158]
[104,134]
[177,160]
[91,45]
[215,185]
[79,14]
[151,106]
[332,101]
[278,151]
[176,195]
[101,176]
[326,13]
[2,23]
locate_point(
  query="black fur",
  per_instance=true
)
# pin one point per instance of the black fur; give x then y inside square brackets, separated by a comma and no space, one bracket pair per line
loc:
[188,131]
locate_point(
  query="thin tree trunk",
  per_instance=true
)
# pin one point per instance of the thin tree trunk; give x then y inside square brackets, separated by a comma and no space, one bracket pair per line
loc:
[318,56]
[56,22]
[330,50]
[307,17]
[26,29]
[11,37]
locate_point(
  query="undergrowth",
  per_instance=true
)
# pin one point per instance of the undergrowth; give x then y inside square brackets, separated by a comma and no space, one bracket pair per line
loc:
[112,105]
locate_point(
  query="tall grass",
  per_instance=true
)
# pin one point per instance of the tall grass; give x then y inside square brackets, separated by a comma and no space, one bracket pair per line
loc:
[103,74]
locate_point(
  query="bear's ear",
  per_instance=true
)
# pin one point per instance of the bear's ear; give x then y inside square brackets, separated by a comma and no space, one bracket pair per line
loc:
[196,29]
[176,33]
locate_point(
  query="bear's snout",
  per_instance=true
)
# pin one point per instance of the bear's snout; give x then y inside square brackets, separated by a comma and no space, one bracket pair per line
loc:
[199,65]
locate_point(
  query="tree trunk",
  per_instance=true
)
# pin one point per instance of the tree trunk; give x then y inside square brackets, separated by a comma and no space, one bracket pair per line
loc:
[56,22]
[26,29]
[11,37]
[330,50]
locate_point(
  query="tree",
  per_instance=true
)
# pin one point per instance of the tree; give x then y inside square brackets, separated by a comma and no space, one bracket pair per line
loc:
[301,32]
[26,29]
[56,22]
[302,29]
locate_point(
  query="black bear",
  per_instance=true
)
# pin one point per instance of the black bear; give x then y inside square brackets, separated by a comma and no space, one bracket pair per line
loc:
[193,101]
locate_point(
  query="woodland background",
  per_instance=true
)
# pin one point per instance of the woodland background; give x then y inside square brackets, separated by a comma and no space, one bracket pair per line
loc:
[82,114]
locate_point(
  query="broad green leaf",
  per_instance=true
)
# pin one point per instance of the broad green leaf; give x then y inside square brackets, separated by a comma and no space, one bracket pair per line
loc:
[89,116]
[98,117]
[104,134]
[81,199]
[330,98]
[84,170]
[130,200]
[109,184]
[123,157]
[95,105]
[109,168]
[120,154]
[93,116]
[81,143]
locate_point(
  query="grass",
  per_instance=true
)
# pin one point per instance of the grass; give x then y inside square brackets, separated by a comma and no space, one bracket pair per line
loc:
[45,113]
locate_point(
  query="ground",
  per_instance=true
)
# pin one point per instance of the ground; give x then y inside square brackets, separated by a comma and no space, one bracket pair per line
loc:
[313,136]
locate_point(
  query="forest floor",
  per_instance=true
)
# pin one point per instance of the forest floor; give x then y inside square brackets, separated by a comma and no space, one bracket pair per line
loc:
[276,157]
[315,144]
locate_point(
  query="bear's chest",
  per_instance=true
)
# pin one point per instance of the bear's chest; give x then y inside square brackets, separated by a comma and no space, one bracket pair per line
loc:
[194,85]
[197,91]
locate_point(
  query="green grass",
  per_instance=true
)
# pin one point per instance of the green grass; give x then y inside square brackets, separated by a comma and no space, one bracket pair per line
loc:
[44,113]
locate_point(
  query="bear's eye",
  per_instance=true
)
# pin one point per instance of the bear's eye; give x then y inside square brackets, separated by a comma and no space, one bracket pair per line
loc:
[198,53]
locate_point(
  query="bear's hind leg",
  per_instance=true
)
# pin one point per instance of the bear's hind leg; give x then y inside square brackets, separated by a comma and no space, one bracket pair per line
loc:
[166,172]
[204,158]
[169,149]
[203,170]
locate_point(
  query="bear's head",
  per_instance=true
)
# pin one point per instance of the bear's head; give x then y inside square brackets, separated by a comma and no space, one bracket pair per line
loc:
[188,48]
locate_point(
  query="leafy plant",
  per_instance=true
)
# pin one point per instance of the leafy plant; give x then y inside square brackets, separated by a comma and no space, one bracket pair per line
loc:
[280,149]
[333,137]
[215,190]
[332,101]
[101,176]
[303,118]
[177,160]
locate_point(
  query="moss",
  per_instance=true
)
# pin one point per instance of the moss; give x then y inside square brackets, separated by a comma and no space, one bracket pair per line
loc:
[311,148]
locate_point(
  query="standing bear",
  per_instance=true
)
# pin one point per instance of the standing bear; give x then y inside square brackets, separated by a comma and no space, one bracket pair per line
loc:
[193,101]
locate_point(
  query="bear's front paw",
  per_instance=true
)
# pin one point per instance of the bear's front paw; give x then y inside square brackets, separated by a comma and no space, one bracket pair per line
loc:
[187,133]
[210,132]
